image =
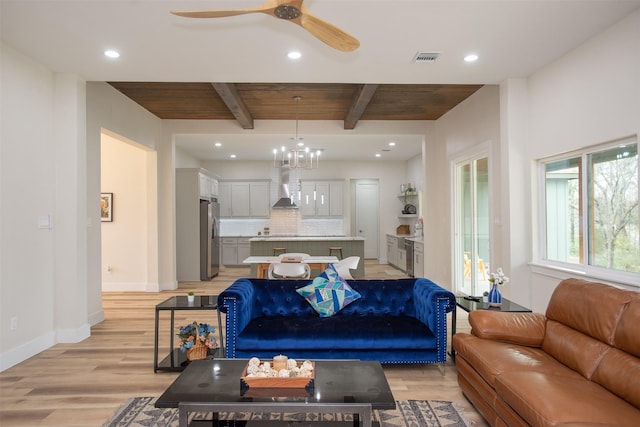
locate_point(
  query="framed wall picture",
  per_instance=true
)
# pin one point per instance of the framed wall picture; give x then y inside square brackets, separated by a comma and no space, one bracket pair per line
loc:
[106,207]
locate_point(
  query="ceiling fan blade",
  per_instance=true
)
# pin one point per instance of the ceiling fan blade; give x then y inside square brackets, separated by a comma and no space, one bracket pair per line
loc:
[267,7]
[213,13]
[289,10]
[330,34]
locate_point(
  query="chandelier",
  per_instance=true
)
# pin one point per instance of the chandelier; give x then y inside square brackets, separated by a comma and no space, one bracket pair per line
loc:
[298,156]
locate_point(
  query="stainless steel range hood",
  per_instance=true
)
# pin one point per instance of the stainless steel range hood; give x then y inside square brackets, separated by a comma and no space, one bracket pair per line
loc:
[284,198]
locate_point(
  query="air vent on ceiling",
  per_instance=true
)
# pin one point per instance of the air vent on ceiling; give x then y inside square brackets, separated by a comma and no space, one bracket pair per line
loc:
[425,57]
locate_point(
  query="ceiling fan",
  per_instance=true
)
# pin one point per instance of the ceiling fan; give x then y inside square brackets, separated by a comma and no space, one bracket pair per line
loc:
[292,11]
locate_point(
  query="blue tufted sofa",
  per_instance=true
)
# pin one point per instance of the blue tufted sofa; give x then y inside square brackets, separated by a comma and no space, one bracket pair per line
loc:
[395,321]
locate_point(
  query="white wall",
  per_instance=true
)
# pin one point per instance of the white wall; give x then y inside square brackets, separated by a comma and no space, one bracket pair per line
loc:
[473,123]
[109,112]
[26,252]
[124,240]
[42,175]
[589,96]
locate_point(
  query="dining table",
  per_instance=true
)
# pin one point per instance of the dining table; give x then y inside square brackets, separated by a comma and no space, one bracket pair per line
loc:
[316,262]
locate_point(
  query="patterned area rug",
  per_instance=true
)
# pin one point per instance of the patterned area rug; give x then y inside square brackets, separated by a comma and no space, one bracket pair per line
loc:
[140,412]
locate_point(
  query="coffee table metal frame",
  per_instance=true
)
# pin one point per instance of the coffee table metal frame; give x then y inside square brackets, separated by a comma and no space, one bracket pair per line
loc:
[467,305]
[361,411]
[179,303]
[340,386]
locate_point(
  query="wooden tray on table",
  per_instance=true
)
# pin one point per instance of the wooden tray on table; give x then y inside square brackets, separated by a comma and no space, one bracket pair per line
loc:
[276,386]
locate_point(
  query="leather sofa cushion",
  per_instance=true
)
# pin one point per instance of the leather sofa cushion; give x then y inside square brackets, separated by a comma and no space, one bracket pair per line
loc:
[492,358]
[545,399]
[336,332]
[518,328]
[626,336]
[578,351]
[594,313]
[619,372]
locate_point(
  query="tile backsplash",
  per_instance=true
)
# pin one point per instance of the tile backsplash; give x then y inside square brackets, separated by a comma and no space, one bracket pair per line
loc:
[283,222]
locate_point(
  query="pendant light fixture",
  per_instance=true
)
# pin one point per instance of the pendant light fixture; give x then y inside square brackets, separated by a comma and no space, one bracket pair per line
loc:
[298,156]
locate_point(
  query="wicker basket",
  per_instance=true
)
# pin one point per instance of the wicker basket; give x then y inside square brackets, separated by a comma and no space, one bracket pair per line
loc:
[199,350]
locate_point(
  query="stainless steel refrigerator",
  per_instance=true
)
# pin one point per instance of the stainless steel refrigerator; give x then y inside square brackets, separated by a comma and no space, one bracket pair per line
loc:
[209,238]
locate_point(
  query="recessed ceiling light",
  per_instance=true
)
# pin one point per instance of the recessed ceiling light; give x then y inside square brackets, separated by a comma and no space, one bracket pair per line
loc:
[378,155]
[218,144]
[110,53]
[233,156]
[392,144]
[472,57]
[294,54]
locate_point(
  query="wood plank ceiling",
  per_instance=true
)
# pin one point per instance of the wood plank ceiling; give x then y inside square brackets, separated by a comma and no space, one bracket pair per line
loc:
[247,102]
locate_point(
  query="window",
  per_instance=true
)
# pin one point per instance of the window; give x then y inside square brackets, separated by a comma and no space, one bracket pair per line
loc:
[592,216]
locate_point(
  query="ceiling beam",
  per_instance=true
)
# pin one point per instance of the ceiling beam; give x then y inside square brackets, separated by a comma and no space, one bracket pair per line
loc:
[361,99]
[233,101]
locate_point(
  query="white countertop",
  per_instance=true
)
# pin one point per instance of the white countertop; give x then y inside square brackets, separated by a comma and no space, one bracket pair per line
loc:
[320,259]
[304,238]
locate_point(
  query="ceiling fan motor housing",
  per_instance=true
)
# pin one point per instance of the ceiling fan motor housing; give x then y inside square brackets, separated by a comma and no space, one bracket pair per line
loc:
[286,12]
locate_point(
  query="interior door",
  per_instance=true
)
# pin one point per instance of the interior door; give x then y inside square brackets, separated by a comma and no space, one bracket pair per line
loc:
[366,216]
[472,246]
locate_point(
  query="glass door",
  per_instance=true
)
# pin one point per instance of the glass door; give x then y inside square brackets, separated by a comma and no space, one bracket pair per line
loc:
[471,246]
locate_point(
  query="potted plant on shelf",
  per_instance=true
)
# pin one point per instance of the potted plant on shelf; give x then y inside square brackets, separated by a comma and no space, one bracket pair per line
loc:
[191,297]
[196,340]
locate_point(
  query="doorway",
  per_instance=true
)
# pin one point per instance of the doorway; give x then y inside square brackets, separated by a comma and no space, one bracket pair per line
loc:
[129,255]
[472,246]
[366,216]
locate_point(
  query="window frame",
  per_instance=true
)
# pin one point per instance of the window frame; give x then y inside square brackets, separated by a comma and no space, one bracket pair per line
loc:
[583,268]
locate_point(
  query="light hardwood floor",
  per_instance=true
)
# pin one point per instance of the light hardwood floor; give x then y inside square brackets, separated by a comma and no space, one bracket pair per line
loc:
[83,384]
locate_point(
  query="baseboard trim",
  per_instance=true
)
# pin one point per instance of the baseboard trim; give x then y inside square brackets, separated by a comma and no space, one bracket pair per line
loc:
[125,287]
[24,351]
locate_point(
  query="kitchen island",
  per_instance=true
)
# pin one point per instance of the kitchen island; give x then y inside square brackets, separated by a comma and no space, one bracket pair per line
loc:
[312,245]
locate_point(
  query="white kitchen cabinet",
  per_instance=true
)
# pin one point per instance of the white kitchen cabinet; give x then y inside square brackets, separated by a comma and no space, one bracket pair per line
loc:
[260,202]
[240,199]
[244,249]
[396,253]
[244,199]
[402,259]
[392,250]
[336,198]
[322,198]
[235,250]
[224,198]
[418,259]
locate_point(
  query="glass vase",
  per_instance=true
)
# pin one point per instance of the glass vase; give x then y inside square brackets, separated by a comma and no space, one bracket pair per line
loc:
[495,297]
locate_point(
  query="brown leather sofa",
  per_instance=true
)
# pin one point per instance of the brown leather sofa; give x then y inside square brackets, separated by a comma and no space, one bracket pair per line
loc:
[577,365]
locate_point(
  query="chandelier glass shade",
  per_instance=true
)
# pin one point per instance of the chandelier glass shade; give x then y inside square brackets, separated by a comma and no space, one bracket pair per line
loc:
[298,156]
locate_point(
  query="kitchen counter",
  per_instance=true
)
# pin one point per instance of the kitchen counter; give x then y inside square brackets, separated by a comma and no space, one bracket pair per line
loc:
[415,239]
[304,238]
[312,245]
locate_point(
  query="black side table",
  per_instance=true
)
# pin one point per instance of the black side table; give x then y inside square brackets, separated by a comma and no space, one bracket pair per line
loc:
[175,360]
[471,305]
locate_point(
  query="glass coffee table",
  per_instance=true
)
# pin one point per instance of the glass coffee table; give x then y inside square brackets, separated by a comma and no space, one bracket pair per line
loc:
[340,386]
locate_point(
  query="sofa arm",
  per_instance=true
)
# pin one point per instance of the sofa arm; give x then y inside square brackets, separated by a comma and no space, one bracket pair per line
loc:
[237,303]
[432,303]
[517,328]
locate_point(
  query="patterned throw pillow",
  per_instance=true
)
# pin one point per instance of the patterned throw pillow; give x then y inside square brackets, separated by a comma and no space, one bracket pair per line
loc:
[328,293]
